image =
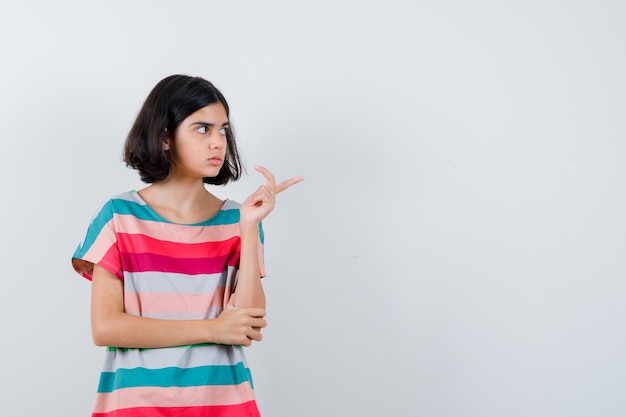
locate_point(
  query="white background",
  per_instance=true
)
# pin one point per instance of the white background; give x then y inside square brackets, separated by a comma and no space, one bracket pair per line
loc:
[457,246]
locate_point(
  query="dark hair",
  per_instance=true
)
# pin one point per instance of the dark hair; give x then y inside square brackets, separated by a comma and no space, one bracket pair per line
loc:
[170,102]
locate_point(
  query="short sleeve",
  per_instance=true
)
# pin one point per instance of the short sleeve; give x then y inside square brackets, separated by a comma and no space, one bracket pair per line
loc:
[99,246]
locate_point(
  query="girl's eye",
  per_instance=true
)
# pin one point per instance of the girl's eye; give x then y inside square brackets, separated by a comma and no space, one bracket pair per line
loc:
[202,129]
[223,131]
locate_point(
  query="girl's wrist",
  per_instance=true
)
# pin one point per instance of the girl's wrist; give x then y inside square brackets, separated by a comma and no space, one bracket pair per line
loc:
[245,226]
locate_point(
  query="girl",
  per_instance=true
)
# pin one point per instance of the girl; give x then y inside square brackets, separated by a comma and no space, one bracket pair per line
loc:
[176,272]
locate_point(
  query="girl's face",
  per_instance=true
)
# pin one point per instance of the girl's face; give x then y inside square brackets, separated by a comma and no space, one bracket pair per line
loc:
[199,145]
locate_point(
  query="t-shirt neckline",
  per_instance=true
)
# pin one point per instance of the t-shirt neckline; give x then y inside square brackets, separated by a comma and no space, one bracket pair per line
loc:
[136,196]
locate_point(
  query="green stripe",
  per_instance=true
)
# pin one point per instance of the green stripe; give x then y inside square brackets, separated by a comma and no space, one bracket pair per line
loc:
[142,212]
[179,377]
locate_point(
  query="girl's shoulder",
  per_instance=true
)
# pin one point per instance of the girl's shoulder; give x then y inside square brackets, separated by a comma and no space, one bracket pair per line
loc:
[123,201]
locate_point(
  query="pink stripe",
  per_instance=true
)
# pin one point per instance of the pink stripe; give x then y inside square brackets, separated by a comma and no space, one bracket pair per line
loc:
[102,245]
[174,232]
[215,395]
[260,254]
[165,302]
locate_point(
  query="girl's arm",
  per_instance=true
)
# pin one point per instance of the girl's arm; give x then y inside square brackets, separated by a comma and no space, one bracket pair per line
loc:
[249,291]
[111,326]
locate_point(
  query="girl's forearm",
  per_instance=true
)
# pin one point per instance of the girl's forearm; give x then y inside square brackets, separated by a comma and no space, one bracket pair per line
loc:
[125,330]
[249,291]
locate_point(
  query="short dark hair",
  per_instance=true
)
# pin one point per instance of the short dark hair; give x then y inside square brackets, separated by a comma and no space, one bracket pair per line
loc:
[170,102]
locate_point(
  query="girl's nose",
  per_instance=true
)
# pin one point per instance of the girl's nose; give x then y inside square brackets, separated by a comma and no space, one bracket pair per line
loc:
[217,141]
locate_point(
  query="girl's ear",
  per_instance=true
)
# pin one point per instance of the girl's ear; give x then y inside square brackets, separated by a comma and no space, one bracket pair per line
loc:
[166,141]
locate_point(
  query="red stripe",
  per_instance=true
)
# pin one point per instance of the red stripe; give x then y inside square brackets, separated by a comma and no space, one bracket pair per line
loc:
[143,262]
[138,243]
[111,261]
[248,409]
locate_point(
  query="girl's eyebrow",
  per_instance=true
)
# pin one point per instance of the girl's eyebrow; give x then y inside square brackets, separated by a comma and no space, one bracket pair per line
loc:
[201,123]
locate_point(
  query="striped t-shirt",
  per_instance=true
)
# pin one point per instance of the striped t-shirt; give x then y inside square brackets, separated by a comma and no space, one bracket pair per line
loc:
[170,271]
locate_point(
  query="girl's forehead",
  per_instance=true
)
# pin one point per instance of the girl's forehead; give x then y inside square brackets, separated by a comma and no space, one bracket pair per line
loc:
[213,113]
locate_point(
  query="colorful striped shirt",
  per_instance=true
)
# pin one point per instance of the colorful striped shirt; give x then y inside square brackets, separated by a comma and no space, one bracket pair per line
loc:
[169,271]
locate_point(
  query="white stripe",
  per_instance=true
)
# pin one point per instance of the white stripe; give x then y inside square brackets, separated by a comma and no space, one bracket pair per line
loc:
[180,357]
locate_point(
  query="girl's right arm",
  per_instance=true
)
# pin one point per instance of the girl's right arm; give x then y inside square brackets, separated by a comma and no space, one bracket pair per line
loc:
[111,326]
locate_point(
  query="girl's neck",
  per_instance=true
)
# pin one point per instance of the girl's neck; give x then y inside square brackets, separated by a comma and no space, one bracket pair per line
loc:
[181,191]
[181,201]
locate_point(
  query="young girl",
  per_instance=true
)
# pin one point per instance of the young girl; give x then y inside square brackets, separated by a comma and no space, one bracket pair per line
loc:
[176,272]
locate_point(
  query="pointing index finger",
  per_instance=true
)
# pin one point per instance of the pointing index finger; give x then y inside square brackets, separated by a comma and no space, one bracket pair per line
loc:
[287,183]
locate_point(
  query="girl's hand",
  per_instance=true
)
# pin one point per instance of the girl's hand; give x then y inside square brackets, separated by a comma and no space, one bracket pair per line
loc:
[261,203]
[238,326]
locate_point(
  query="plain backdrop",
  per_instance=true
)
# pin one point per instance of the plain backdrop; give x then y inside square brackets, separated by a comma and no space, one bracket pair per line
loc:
[457,246]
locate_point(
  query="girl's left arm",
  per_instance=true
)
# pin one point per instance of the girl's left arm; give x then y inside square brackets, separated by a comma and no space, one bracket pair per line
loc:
[249,291]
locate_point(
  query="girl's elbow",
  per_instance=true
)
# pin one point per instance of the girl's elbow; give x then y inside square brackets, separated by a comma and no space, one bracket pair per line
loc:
[98,342]
[98,337]
[101,333]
